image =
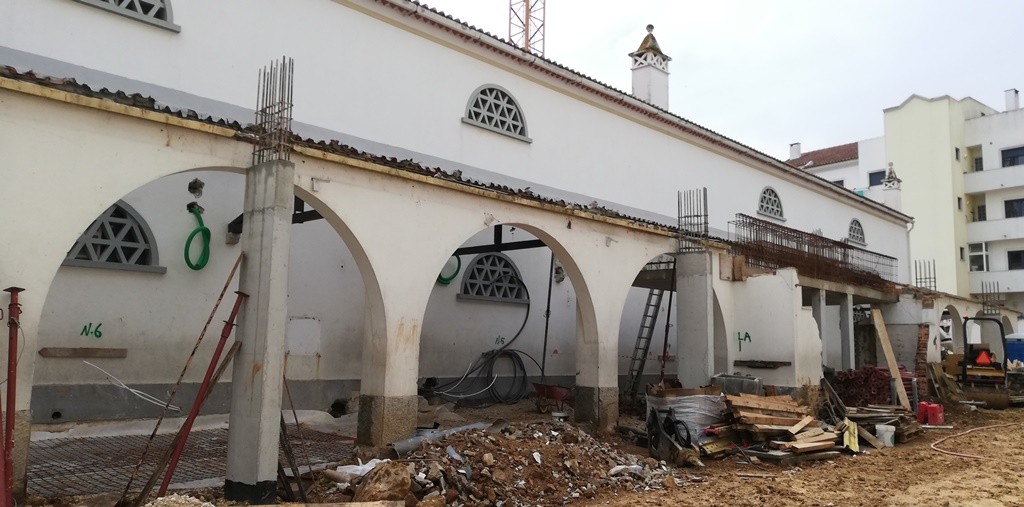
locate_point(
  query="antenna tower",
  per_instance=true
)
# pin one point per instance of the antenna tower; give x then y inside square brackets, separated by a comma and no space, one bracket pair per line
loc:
[526,24]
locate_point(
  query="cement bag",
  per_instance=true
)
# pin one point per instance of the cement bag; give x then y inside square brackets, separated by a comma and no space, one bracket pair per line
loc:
[698,411]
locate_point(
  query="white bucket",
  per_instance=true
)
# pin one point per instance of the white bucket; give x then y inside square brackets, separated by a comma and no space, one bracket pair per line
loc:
[886,433]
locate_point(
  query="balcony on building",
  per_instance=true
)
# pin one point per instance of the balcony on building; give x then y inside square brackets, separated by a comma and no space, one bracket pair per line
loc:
[995,230]
[1009,281]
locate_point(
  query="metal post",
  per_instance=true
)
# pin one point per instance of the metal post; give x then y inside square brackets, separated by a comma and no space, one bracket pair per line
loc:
[203,388]
[13,325]
[547,318]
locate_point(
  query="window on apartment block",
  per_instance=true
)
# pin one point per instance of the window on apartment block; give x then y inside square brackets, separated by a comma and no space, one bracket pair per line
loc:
[839,183]
[979,164]
[962,257]
[118,239]
[875,178]
[981,213]
[1014,208]
[960,203]
[1013,156]
[956,153]
[1015,259]
[770,204]
[978,256]
[154,12]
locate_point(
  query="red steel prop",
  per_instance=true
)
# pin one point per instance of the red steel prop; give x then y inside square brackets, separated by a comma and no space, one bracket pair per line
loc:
[13,326]
[187,426]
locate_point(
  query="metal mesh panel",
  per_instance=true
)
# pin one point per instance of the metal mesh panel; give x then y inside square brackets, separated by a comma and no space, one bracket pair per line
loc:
[773,246]
[856,234]
[495,109]
[770,203]
[493,277]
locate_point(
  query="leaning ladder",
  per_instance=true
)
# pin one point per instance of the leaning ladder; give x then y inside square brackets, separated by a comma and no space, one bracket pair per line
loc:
[643,339]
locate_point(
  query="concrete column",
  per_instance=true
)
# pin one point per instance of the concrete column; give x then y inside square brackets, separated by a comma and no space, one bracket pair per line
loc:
[597,361]
[818,311]
[846,330]
[695,318]
[387,396]
[256,378]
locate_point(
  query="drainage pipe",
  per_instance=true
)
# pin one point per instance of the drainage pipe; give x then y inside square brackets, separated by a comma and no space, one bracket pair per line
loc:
[13,326]
[203,388]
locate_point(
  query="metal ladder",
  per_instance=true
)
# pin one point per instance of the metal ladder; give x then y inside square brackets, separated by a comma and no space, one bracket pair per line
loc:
[643,339]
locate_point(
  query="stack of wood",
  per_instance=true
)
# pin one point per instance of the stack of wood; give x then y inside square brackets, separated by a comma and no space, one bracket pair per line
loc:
[785,426]
[904,421]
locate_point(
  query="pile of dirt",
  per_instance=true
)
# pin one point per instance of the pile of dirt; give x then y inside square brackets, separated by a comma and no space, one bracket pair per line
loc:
[176,500]
[540,463]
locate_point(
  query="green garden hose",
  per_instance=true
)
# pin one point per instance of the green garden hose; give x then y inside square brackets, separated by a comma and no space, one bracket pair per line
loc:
[204,255]
[445,280]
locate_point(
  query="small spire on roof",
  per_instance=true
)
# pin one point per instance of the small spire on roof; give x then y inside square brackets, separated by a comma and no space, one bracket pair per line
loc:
[650,45]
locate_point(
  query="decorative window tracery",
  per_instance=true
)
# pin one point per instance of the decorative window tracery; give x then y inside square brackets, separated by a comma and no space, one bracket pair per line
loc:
[118,239]
[493,108]
[493,277]
[770,204]
[856,233]
[154,12]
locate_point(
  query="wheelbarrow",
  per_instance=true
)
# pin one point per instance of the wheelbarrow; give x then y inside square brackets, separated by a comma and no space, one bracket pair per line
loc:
[551,397]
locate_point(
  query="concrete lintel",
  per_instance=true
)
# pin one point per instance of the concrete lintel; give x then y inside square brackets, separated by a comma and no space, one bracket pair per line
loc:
[860,294]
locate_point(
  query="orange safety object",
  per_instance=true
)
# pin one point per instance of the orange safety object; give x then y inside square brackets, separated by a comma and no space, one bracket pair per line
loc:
[983,359]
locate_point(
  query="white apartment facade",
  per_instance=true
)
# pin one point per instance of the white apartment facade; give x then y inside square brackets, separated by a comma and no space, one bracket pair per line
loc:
[960,170]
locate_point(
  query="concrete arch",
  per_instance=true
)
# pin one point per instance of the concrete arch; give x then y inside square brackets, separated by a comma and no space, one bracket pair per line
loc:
[956,331]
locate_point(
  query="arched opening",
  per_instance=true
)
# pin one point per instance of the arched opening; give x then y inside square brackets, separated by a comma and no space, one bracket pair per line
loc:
[502,316]
[144,323]
[988,333]
[721,344]
[647,337]
[951,333]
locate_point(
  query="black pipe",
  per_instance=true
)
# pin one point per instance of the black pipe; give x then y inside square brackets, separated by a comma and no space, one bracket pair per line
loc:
[502,247]
[547,318]
[668,324]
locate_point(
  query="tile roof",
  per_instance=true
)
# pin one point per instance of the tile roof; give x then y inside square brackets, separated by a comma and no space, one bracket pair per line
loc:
[825,156]
[248,133]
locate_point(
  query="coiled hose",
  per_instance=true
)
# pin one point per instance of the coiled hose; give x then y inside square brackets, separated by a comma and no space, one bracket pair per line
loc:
[482,370]
[200,230]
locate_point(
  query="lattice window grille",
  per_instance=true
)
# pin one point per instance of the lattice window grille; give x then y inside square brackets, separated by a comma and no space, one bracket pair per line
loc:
[494,109]
[118,239]
[155,12]
[493,277]
[856,233]
[770,204]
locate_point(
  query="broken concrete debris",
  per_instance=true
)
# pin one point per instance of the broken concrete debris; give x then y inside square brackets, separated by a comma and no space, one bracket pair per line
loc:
[524,464]
[176,500]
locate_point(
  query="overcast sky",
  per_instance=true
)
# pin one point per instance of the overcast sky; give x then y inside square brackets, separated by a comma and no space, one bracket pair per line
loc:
[771,72]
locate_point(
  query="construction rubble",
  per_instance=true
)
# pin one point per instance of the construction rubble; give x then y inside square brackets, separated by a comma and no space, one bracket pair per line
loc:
[541,463]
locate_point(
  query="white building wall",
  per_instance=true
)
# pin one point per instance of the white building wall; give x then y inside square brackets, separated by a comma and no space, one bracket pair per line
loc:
[418,85]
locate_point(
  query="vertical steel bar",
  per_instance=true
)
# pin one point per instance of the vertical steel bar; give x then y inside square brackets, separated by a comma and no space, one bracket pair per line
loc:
[203,388]
[13,326]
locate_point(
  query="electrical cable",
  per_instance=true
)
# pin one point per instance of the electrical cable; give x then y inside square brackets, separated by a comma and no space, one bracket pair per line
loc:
[445,280]
[483,369]
[204,231]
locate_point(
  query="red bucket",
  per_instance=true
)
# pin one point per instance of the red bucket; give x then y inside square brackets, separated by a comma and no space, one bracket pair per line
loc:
[922,412]
[936,414]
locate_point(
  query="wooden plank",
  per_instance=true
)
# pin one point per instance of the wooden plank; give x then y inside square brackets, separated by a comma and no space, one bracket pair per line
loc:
[890,358]
[827,436]
[800,425]
[765,405]
[869,438]
[751,418]
[782,398]
[83,352]
[815,456]
[812,432]
[800,447]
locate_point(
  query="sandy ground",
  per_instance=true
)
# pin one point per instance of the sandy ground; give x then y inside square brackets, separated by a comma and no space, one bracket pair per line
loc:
[908,474]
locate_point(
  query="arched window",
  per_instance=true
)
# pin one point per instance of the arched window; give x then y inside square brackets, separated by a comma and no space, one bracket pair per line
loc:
[154,12]
[493,277]
[118,239]
[493,108]
[770,204]
[856,234]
